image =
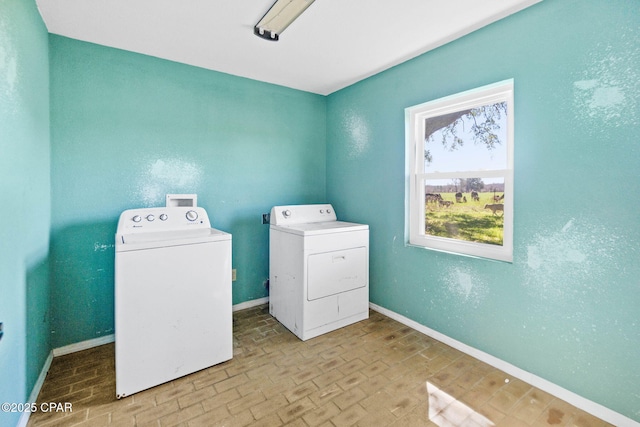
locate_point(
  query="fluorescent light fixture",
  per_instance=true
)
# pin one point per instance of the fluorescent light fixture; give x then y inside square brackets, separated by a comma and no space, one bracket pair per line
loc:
[279,17]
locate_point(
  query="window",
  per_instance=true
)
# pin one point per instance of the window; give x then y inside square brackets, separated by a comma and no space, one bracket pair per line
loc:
[460,172]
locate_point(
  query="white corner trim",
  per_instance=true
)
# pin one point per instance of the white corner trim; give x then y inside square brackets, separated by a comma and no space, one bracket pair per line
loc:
[95,342]
[574,399]
[250,304]
[33,397]
[67,349]
[40,381]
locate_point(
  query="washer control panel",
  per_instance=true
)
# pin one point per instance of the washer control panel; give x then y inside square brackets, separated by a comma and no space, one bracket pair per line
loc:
[146,220]
[302,214]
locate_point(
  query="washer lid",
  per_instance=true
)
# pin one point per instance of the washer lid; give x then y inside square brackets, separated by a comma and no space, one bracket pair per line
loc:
[149,240]
[163,236]
[315,228]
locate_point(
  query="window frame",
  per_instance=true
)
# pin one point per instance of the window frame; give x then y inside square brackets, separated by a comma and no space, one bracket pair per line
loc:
[415,117]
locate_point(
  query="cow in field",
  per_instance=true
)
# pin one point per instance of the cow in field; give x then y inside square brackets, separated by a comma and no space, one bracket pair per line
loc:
[458,197]
[474,196]
[432,197]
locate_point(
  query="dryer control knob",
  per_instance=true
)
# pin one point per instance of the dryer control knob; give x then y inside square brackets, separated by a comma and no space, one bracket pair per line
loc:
[163,217]
[150,217]
[286,213]
[192,215]
[137,218]
[328,211]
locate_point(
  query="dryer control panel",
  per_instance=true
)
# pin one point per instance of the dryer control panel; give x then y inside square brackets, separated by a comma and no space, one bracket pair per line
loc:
[302,214]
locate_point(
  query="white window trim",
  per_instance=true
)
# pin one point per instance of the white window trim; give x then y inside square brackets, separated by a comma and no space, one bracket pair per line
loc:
[415,198]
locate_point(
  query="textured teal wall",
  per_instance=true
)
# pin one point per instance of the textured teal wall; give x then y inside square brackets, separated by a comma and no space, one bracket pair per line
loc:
[127,129]
[24,191]
[568,308]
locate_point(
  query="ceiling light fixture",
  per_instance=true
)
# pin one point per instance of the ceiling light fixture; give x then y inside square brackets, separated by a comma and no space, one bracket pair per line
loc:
[279,17]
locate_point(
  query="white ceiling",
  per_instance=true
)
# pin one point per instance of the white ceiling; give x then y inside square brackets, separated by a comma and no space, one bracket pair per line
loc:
[333,44]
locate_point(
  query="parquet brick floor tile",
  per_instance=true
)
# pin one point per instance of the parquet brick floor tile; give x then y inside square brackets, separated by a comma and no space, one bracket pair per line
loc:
[377,372]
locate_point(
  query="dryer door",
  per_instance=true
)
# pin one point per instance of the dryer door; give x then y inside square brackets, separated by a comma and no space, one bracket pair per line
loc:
[334,272]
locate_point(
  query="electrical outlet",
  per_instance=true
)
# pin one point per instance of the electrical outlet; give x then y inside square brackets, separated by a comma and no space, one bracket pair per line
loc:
[266,218]
[233,275]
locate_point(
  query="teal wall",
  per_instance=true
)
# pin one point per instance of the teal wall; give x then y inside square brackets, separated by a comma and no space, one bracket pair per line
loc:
[24,193]
[128,129]
[568,308]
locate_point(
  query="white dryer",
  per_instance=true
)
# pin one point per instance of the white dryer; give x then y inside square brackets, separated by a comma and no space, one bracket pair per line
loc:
[173,310]
[318,270]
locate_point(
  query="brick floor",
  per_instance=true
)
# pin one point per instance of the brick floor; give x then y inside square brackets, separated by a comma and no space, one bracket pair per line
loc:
[377,372]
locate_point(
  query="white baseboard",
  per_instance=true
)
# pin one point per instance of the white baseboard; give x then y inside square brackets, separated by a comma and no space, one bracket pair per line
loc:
[250,304]
[576,400]
[67,349]
[95,342]
[83,345]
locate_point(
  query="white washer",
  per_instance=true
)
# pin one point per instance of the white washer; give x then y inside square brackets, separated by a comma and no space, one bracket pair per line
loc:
[172,296]
[318,270]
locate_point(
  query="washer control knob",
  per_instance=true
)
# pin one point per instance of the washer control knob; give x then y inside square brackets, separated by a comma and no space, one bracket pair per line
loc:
[163,217]
[328,211]
[286,213]
[150,217]
[137,218]
[321,211]
[192,215]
